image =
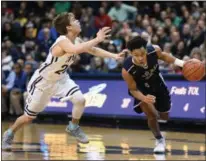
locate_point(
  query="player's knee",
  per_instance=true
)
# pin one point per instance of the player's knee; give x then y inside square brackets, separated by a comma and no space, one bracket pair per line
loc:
[82,101]
[147,105]
[149,111]
[164,116]
[79,99]
[152,117]
[27,119]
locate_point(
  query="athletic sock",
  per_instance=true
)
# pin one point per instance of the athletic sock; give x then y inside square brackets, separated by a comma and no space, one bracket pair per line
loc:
[158,137]
[73,126]
[10,132]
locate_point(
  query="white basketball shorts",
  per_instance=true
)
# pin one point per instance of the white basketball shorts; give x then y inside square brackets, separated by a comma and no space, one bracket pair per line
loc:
[41,90]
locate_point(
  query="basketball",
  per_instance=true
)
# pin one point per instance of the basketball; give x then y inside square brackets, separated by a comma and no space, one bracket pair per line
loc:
[193,70]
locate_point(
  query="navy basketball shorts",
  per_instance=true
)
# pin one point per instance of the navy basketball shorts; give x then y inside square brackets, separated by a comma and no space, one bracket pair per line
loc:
[162,104]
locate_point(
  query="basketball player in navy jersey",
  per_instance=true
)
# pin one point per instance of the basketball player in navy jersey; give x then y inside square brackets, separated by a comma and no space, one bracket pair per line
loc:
[146,84]
[51,79]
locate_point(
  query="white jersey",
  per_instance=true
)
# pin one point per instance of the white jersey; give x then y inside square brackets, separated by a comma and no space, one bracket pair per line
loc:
[55,68]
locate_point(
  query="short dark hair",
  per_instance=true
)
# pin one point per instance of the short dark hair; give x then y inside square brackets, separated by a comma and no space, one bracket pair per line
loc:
[136,43]
[61,21]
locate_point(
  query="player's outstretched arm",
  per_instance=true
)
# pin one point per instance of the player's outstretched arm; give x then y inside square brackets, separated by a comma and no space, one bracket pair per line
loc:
[68,47]
[168,57]
[103,53]
[133,88]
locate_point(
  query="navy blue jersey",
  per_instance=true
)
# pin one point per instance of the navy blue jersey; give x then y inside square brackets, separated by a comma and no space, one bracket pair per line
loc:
[148,79]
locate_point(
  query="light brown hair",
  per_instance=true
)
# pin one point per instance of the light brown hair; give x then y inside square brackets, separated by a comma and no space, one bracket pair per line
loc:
[61,21]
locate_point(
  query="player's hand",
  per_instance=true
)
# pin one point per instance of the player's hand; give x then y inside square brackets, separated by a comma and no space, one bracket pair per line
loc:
[122,54]
[149,99]
[103,34]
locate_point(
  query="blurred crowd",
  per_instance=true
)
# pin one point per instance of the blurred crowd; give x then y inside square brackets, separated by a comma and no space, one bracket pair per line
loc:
[27,34]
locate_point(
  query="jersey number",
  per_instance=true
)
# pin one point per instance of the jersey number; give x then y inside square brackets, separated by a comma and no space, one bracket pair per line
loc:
[63,70]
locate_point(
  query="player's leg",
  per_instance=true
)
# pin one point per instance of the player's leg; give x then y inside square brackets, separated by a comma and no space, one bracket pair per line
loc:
[36,102]
[26,118]
[71,92]
[152,119]
[78,101]
[163,103]
[164,115]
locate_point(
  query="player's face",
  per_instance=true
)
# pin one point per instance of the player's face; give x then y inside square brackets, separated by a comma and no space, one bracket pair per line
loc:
[75,25]
[140,56]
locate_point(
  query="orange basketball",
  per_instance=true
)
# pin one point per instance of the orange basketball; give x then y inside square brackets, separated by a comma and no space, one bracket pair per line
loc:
[193,70]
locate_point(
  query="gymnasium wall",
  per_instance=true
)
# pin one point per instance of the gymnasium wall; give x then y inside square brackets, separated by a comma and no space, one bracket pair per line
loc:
[108,97]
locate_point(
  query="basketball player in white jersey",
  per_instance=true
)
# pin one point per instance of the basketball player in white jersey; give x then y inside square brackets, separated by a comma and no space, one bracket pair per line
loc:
[51,79]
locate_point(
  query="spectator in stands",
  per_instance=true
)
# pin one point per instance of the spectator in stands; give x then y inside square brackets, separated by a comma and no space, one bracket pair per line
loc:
[15,85]
[51,14]
[196,53]
[121,11]
[155,39]
[46,42]
[29,44]
[195,10]
[163,38]
[176,20]
[116,26]
[112,65]
[12,50]
[198,37]
[125,31]
[175,38]
[62,6]
[156,11]
[46,23]
[88,23]
[21,62]
[102,19]
[29,70]
[18,88]
[137,27]
[77,66]
[7,62]
[40,8]
[150,30]
[23,8]
[163,15]
[186,34]
[181,50]
[105,5]
[203,50]
[8,32]
[77,10]
[97,65]
[7,14]
[30,60]
[21,19]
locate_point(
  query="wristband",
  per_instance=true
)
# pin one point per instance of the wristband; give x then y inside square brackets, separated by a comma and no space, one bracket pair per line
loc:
[179,62]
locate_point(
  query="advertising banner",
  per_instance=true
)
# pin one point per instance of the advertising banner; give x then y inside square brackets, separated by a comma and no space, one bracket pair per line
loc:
[110,97]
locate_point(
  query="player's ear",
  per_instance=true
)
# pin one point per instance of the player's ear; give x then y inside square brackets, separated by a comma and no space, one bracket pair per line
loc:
[69,28]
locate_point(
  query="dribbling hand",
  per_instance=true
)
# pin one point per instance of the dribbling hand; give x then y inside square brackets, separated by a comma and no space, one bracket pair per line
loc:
[150,99]
[103,34]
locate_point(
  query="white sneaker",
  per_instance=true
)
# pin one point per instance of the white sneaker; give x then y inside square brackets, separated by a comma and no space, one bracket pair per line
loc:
[160,146]
[7,140]
[159,156]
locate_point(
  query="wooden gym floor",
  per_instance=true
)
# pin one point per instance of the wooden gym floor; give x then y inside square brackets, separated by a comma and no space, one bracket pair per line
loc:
[51,142]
